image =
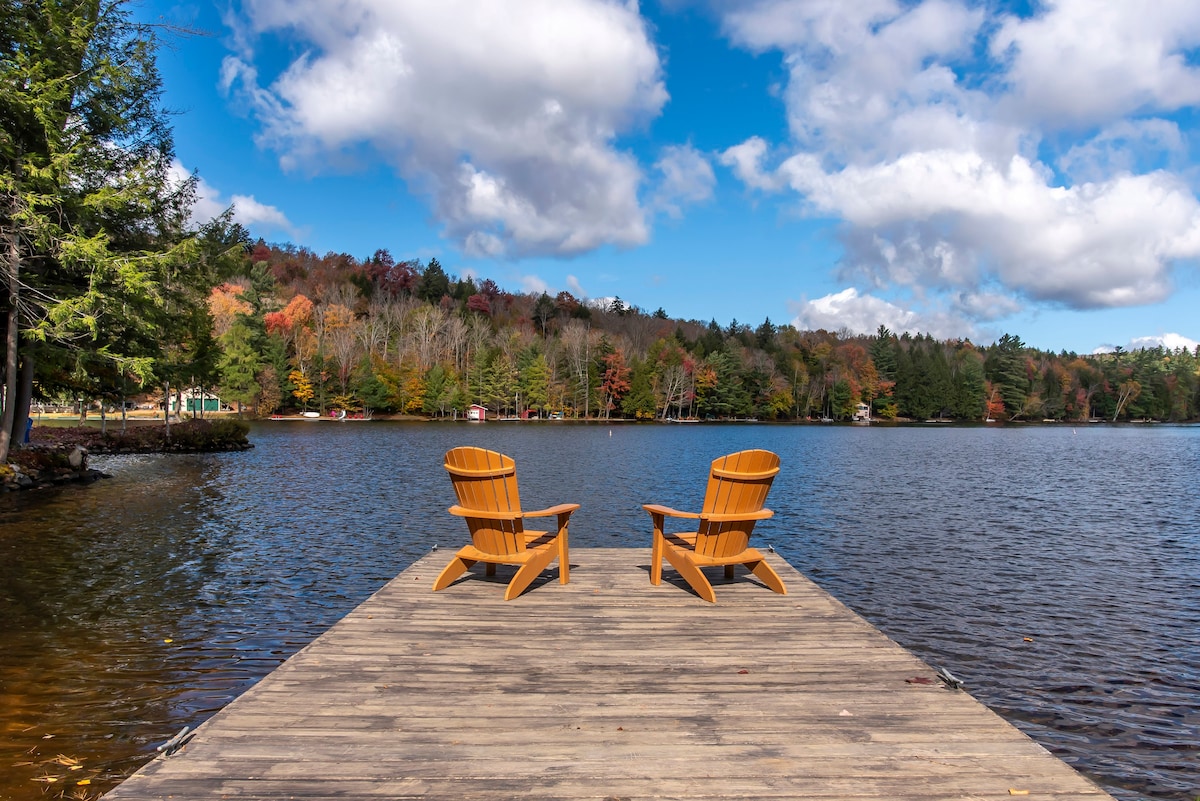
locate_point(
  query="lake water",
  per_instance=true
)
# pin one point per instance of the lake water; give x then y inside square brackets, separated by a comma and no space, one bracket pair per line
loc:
[1055,569]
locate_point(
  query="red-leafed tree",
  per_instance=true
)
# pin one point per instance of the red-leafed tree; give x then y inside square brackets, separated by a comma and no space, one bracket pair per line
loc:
[261,252]
[479,303]
[566,304]
[995,403]
[293,324]
[615,381]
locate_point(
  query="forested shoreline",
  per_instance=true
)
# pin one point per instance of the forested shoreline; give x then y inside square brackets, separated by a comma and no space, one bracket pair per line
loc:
[295,331]
[111,292]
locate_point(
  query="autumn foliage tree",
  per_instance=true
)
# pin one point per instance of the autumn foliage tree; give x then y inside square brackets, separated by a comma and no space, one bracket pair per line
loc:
[296,330]
[615,381]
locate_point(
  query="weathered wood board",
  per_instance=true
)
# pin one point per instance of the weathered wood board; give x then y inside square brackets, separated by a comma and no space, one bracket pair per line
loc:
[605,688]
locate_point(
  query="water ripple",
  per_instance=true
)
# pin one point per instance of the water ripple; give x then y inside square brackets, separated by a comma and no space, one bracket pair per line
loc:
[1057,571]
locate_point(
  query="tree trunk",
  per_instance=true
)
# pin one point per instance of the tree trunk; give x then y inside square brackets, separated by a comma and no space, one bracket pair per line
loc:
[11,341]
[24,397]
[167,408]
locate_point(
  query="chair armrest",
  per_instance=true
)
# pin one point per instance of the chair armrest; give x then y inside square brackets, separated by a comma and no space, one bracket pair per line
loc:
[655,509]
[482,514]
[562,508]
[723,518]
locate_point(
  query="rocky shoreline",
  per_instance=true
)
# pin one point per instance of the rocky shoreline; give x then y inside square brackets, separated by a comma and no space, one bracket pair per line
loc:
[38,468]
[59,455]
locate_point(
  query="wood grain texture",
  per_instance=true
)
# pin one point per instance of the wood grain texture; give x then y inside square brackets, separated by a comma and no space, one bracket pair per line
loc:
[604,688]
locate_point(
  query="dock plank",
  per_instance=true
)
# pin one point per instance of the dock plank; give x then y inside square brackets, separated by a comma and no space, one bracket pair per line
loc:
[605,688]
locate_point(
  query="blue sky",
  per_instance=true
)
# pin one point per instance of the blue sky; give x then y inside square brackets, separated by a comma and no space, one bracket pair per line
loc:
[963,169]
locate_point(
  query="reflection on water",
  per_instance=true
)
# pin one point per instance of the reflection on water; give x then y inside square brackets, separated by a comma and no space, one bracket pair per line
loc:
[1057,571]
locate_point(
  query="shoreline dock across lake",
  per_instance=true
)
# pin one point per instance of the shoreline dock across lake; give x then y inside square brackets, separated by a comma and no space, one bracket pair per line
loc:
[607,687]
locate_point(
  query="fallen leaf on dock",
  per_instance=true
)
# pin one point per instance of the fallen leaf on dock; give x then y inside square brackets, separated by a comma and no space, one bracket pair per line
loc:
[1011,791]
[846,713]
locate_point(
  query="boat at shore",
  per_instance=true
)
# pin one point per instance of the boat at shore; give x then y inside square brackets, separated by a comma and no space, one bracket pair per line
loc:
[339,415]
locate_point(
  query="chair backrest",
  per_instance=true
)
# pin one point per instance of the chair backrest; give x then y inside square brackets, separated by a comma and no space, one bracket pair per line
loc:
[737,484]
[486,481]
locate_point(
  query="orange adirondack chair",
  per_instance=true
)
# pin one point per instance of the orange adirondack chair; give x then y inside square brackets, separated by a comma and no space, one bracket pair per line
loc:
[485,483]
[733,503]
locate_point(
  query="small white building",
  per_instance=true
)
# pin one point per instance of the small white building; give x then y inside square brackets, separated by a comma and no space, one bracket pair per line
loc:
[862,411]
[476,412]
[195,399]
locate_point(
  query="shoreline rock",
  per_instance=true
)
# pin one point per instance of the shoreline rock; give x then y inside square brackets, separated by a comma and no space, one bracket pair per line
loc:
[34,468]
[59,455]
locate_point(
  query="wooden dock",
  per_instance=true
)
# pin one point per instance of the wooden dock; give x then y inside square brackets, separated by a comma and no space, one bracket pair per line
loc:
[605,688]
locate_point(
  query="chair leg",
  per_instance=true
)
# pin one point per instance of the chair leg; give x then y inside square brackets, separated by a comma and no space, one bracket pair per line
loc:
[564,556]
[489,569]
[691,574]
[538,561]
[656,549]
[729,572]
[456,568]
[767,575]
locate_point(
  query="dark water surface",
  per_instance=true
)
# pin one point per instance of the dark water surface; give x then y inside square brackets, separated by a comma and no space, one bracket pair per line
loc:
[1056,570]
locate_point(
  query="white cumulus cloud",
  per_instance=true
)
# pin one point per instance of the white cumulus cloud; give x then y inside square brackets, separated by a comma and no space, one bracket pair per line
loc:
[746,161]
[945,137]
[687,178]
[847,309]
[247,210]
[1168,341]
[953,219]
[505,114]
[534,284]
[1085,62]
[576,288]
